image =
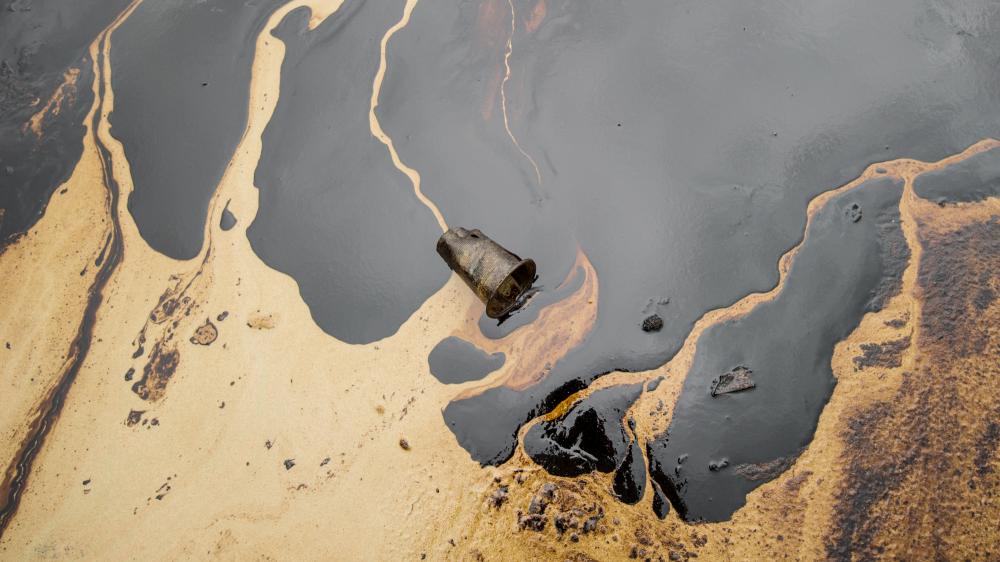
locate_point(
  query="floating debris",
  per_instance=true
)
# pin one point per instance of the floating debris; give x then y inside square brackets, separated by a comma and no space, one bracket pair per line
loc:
[715,466]
[652,323]
[734,381]
[497,276]
[854,211]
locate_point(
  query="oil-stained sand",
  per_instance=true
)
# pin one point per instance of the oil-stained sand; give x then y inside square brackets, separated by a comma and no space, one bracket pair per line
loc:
[676,143]
[787,345]
[45,95]
[278,441]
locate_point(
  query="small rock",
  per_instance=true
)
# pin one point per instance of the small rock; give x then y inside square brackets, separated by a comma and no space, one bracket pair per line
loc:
[289,463]
[734,381]
[498,497]
[534,522]
[652,323]
[716,466]
[543,498]
[941,201]
[565,521]
[854,211]
[404,444]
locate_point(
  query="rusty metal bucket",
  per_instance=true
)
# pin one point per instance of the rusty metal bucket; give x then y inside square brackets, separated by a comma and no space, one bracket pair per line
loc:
[497,276]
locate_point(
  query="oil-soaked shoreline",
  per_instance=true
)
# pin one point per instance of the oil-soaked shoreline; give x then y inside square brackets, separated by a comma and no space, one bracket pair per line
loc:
[16,475]
[335,214]
[680,182]
[699,191]
[180,72]
[971,180]
[787,344]
[40,44]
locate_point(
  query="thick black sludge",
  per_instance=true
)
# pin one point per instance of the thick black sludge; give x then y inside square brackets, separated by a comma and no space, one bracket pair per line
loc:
[630,479]
[973,179]
[181,77]
[678,143]
[334,212]
[787,343]
[590,436]
[39,43]
[454,360]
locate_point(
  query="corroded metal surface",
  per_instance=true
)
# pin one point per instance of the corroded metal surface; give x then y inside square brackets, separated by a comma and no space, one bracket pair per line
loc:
[498,277]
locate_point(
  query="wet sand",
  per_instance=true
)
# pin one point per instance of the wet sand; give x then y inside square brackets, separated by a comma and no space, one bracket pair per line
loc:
[206,407]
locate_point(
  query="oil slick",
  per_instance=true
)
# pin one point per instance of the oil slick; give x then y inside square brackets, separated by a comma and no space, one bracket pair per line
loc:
[503,96]
[64,94]
[377,129]
[856,474]
[254,437]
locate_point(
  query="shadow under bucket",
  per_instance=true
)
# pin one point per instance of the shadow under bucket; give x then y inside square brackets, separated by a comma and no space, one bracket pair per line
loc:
[497,276]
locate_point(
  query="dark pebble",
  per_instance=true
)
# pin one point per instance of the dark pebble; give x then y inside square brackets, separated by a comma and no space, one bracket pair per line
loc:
[652,323]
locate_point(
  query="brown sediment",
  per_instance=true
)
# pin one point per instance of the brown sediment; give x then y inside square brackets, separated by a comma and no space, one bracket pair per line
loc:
[65,92]
[769,470]
[377,129]
[886,354]
[134,417]
[918,480]
[156,374]
[537,15]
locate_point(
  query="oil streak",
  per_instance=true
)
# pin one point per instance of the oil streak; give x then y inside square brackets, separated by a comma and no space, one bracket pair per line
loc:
[503,98]
[78,349]
[377,129]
